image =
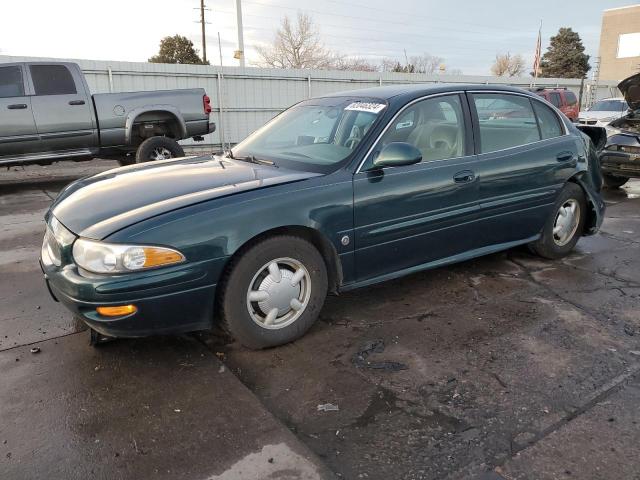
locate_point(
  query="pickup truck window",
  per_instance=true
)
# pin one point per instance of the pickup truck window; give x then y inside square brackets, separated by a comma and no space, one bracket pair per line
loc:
[52,80]
[11,84]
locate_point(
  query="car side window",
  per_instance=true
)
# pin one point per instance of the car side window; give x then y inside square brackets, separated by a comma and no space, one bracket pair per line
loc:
[11,84]
[52,80]
[434,126]
[550,126]
[555,99]
[571,98]
[505,121]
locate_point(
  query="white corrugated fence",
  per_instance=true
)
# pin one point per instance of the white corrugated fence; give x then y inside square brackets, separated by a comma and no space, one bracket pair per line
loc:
[245,98]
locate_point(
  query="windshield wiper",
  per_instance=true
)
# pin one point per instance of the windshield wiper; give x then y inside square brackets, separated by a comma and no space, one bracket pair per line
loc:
[253,159]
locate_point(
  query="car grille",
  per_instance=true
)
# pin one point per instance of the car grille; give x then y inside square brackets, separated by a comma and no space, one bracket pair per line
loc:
[587,122]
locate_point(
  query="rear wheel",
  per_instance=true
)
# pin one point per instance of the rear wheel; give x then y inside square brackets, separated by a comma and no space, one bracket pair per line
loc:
[274,292]
[158,148]
[564,226]
[614,181]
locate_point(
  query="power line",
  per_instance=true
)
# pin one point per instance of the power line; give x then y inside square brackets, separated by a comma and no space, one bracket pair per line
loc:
[362,18]
[369,38]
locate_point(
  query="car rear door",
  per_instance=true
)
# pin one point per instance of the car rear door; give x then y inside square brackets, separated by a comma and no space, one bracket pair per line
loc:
[18,134]
[62,108]
[412,215]
[525,156]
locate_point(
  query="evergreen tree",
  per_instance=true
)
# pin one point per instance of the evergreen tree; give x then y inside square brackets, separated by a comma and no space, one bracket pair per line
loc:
[565,57]
[177,49]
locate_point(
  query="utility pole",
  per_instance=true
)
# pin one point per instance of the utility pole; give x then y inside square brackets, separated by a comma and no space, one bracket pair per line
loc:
[204,36]
[239,54]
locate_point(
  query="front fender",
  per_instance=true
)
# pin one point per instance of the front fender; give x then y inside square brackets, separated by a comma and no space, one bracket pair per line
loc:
[220,227]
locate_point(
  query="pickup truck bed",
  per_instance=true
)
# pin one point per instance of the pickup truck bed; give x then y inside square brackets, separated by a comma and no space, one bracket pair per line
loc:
[47,114]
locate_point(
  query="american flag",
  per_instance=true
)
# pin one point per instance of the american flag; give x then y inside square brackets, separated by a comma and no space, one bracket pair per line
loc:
[537,58]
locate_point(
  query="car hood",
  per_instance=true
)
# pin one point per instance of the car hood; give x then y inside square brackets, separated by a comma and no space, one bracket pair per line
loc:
[97,206]
[630,88]
[599,114]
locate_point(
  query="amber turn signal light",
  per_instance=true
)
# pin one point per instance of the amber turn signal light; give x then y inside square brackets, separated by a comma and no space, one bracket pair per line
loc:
[118,311]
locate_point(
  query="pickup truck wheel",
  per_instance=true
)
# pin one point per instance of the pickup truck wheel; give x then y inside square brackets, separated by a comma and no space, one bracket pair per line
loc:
[613,181]
[158,148]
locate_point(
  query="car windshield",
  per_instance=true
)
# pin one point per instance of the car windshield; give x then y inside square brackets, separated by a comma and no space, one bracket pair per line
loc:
[609,106]
[314,135]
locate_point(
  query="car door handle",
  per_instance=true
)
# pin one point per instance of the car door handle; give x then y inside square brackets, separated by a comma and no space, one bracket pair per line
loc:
[464,176]
[564,156]
[76,102]
[17,106]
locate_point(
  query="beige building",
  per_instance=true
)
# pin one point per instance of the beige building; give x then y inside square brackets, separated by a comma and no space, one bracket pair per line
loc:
[620,43]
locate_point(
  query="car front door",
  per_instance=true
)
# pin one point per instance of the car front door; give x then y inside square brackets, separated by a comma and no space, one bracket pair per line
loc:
[18,134]
[62,108]
[525,155]
[409,216]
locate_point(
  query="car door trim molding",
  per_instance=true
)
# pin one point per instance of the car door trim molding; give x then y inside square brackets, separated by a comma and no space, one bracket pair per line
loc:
[395,116]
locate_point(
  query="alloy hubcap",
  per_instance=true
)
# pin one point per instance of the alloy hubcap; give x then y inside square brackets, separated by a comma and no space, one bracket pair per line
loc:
[279,293]
[566,224]
[161,153]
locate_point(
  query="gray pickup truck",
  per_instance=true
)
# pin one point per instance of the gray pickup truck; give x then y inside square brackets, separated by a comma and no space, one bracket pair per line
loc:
[47,114]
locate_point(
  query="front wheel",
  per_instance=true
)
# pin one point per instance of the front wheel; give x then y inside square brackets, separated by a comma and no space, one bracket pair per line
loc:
[564,226]
[274,292]
[158,148]
[614,181]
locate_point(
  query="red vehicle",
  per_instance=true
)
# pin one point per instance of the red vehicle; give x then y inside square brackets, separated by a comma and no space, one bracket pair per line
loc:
[563,99]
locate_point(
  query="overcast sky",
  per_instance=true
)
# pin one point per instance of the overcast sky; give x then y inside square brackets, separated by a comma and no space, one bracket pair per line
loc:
[467,33]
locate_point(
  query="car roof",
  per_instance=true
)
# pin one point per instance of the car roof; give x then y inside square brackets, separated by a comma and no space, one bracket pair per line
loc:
[620,99]
[388,92]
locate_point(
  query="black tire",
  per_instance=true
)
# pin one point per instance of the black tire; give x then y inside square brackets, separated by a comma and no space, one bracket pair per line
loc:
[149,150]
[245,272]
[614,181]
[547,245]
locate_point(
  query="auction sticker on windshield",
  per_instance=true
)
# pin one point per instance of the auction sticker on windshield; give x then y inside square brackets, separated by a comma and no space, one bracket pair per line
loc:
[366,107]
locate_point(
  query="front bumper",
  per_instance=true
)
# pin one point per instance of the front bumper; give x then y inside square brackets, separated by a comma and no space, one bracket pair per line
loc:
[619,163]
[170,300]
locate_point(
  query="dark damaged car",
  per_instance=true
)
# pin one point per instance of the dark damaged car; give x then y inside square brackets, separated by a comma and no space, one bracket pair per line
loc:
[621,156]
[335,193]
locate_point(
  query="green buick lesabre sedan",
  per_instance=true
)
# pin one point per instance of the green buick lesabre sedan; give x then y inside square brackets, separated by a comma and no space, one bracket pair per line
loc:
[335,193]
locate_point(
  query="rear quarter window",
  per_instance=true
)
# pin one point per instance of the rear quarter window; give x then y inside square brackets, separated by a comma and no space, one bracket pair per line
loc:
[52,80]
[549,122]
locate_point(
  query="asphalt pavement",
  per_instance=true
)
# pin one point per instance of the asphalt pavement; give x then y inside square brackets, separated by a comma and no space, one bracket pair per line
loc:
[505,367]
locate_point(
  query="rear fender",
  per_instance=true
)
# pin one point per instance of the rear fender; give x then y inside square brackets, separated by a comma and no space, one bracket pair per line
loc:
[595,203]
[136,112]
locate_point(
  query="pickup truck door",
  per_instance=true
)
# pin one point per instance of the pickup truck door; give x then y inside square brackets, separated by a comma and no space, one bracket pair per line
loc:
[18,134]
[62,108]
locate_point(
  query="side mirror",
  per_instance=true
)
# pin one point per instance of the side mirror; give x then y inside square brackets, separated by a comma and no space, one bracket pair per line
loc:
[397,154]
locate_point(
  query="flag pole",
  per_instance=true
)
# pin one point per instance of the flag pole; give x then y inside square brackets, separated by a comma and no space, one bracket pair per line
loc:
[538,56]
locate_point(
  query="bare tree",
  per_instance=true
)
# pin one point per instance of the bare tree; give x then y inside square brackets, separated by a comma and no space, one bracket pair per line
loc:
[354,64]
[424,63]
[508,66]
[296,46]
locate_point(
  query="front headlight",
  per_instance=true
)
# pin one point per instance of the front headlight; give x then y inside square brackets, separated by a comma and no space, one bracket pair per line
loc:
[101,257]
